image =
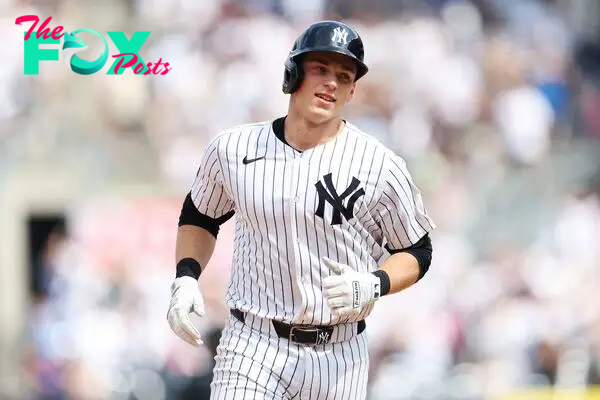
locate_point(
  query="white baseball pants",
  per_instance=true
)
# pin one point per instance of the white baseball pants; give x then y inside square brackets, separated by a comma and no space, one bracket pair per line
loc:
[252,362]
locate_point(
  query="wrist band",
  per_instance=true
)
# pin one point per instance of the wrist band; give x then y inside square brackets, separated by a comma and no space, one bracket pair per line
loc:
[188,267]
[384,278]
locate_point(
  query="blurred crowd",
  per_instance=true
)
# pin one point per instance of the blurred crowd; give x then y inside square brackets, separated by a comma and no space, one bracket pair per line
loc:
[495,105]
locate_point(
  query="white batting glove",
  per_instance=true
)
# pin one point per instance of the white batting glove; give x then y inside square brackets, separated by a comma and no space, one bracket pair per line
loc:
[348,290]
[185,299]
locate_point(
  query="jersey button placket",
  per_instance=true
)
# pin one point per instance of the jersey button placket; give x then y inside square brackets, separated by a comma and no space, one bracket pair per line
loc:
[293,205]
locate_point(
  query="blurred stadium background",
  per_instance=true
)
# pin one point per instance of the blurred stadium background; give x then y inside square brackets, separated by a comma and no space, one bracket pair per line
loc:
[495,104]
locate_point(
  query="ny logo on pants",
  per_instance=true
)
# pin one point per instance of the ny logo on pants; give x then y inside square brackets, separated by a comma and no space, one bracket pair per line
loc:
[336,200]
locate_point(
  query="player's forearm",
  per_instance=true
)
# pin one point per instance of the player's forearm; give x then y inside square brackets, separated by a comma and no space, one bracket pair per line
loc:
[403,271]
[194,242]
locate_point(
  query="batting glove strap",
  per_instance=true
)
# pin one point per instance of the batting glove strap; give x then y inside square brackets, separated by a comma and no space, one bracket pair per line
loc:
[384,278]
[365,289]
[347,290]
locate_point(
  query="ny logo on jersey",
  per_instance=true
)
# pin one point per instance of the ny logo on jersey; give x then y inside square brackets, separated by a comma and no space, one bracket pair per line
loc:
[340,35]
[336,200]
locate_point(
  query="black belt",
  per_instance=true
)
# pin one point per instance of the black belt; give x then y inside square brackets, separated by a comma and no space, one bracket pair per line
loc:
[305,334]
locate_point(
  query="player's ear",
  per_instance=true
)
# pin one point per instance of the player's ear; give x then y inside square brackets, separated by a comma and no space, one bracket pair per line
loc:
[351,94]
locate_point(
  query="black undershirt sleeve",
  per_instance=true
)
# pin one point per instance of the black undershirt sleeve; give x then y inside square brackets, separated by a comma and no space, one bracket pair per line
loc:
[422,251]
[191,216]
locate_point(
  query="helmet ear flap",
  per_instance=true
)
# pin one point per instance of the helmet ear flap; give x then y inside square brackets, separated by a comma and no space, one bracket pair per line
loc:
[292,76]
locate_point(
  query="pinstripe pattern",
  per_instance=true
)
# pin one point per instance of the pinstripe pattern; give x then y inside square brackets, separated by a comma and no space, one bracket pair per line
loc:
[253,363]
[280,239]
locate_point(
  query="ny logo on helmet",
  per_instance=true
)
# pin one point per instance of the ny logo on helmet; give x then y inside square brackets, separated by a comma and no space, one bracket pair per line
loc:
[340,35]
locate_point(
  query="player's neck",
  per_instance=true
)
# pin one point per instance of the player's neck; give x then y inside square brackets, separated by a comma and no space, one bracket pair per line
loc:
[302,135]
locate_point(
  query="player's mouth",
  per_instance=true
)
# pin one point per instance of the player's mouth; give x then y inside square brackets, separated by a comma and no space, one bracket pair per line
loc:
[326,97]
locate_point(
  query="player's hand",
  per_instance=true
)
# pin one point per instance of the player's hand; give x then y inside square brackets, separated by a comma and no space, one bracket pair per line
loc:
[185,299]
[347,291]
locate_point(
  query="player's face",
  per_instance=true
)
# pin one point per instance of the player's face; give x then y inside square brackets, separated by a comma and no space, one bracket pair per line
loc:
[328,84]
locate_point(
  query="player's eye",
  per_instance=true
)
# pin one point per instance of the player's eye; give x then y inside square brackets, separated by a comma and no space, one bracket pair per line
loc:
[344,78]
[320,69]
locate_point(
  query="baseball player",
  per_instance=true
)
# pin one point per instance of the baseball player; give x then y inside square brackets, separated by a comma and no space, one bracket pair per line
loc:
[327,221]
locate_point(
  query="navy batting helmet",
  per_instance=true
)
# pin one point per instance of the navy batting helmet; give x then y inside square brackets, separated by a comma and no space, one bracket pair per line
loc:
[330,36]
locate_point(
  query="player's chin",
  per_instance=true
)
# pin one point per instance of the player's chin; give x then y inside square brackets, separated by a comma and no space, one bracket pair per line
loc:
[319,115]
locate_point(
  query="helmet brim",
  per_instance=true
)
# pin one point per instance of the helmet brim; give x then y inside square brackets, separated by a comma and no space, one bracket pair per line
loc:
[361,67]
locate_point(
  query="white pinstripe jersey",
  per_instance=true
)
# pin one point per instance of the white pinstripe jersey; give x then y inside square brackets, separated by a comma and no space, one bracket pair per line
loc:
[346,199]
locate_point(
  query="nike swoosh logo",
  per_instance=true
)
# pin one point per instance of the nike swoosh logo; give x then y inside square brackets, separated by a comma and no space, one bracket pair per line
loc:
[248,161]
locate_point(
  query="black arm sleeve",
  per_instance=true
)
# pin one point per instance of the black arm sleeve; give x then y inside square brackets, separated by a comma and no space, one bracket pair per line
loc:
[422,251]
[191,216]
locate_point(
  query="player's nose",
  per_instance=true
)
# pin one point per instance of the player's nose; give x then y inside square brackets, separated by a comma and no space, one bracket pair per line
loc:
[330,83]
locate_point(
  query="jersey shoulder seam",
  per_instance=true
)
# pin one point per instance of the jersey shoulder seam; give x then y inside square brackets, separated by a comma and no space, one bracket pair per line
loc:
[369,138]
[240,130]
[242,127]
[387,153]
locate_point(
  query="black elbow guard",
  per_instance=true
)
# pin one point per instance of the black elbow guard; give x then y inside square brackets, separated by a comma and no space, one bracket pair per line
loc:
[191,216]
[422,251]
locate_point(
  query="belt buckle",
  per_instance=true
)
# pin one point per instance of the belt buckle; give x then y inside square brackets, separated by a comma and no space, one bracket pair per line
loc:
[322,337]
